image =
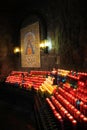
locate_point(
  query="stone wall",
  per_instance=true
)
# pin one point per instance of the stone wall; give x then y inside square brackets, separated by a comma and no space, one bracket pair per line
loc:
[65,24]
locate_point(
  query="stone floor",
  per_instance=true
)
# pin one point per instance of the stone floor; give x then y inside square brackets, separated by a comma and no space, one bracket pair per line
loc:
[16,113]
[15,119]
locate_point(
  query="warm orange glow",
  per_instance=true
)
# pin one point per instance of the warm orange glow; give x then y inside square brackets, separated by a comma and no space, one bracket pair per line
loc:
[16,49]
[43,44]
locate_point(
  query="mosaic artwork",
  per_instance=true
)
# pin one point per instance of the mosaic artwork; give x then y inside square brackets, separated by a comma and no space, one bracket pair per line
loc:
[30,46]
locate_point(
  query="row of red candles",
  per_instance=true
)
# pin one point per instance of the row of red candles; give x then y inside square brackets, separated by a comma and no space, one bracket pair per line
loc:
[72,109]
[32,72]
[55,112]
[60,112]
[80,92]
[72,99]
[19,79]
[26,82]
[62,109]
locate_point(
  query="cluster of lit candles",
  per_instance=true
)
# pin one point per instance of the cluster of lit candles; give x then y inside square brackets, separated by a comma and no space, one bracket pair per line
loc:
[66,111]
[26,80]
[47,87]
[66,103]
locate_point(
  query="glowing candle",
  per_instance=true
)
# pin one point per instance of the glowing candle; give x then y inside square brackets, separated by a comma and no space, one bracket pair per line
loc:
[74,122]
[81,106]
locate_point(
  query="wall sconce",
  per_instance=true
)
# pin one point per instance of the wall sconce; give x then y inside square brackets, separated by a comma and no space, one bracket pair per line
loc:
[17,50]
[44,46]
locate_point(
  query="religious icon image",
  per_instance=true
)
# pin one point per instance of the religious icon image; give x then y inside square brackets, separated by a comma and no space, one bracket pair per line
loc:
[30,46]
[29,40]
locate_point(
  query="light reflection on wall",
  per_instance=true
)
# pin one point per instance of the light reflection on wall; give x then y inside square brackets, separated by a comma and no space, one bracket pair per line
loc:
[46,43]
[49,43]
